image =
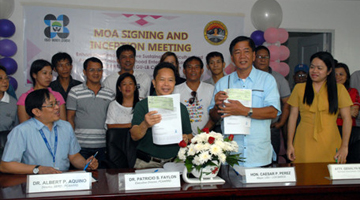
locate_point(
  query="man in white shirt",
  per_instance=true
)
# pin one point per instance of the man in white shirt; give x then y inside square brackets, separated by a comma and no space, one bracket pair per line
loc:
[195,94]
[126,58]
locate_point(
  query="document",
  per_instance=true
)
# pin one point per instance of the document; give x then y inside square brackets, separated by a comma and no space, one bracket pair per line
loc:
[238,124]
[169,130]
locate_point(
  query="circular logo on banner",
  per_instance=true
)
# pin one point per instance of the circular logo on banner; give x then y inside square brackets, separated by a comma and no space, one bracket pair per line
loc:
[215,32]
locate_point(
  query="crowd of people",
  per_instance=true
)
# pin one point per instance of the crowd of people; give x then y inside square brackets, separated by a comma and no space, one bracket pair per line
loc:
[63,122]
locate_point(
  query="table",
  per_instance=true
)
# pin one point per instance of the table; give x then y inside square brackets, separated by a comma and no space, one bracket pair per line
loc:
[311,183]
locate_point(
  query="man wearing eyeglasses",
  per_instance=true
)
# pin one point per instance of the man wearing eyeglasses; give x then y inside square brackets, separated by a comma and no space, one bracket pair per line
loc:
[256,146]
[87,106]
[195,94]
[262,62]
[44,144]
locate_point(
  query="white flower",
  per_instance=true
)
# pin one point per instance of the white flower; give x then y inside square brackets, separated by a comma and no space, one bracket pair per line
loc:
[196,160]
[181,153]
[199,147]
[220,144]
[215,150]
[204,157]
[222,158]
[234,146]
[191,150]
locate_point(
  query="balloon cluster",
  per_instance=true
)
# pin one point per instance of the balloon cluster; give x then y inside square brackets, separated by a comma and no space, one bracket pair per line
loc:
[8,48]
[274,37]
[266,16]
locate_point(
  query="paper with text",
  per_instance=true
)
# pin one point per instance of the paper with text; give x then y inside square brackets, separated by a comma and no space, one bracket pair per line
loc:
[169,130]
[236,124]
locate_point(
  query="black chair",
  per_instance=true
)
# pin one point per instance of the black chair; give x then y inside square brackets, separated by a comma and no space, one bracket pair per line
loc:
[121,149]
[3,139]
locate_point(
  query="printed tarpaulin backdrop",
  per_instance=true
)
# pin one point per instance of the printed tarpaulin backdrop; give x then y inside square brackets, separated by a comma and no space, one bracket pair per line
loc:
[84,33]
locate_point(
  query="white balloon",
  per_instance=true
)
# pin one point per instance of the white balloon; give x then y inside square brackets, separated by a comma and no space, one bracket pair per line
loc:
[266,14]
[6,8]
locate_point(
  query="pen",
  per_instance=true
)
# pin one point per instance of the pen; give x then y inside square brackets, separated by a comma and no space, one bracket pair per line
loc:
[336,158]
[87,164]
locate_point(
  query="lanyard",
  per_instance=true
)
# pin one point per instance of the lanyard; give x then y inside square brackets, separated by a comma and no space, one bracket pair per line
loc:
[48,145]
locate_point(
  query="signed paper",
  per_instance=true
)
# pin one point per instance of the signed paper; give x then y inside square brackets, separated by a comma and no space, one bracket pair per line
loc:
[169,130]
[238,124]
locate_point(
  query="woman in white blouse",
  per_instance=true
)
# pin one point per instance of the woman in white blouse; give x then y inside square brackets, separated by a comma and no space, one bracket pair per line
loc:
[120,111]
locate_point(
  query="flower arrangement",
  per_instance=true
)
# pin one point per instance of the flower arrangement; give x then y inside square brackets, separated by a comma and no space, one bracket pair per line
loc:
[206,148]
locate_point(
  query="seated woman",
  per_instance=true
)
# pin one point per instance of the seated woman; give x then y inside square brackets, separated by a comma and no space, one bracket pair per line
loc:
[170,57]
[8,109]
[319,102]
[342,76]
[41,76]
[120,111]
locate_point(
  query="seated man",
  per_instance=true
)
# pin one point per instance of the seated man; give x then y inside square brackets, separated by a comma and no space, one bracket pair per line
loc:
[43,144]
[148,153]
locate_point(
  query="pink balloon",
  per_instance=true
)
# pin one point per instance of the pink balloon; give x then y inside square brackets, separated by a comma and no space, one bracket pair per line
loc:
[284,69]
[274,65]
[274,52]
[283,35]
[284,53]
[271,35]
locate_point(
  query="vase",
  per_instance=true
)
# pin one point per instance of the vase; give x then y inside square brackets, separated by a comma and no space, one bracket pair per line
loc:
[208,172]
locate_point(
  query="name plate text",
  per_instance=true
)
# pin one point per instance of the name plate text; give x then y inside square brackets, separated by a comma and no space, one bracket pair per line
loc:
[58,182]
[344,171]
[138,181]
[267,175]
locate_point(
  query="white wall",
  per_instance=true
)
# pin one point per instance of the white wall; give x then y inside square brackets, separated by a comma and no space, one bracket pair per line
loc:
[342,16]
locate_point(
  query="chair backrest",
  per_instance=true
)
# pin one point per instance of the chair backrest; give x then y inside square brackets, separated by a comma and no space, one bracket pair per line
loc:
[3,139]
[121,149]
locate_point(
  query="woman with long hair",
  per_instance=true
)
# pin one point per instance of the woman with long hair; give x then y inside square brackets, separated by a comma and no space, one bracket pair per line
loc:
[319,101]
[120,111]
[41,75]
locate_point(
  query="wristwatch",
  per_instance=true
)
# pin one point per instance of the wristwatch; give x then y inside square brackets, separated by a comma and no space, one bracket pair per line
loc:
[36,169]
[249,113]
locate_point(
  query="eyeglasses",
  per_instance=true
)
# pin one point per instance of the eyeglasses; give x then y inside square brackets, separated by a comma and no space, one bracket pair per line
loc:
[262,57]
[6,78]
[301,75]
[193,98]
[52,105]
[93,70]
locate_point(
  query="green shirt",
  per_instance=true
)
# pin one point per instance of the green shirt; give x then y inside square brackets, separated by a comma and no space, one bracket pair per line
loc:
[146,143]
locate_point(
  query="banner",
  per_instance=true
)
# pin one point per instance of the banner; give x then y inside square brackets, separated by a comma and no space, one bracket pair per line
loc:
[84,33]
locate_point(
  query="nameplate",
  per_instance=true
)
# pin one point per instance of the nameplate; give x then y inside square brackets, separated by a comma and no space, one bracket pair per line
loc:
[138,181]
[267,175]
[58,182]
[344,171]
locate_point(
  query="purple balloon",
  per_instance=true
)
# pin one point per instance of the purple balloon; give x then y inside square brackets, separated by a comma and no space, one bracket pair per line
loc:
[258,37]
[8,48]
[7,28]
[13,82]
[10,65]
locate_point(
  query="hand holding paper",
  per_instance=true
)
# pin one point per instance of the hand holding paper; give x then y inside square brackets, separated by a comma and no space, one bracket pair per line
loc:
[152,118]
[233,107]
[220,97]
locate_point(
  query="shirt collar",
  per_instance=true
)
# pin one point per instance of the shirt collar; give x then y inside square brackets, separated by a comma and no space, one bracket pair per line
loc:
[86,87]
[39,125]
[6,98]
[252,76]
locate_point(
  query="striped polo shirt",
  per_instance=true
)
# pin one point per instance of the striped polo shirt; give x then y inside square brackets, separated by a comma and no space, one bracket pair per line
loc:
[90,114]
